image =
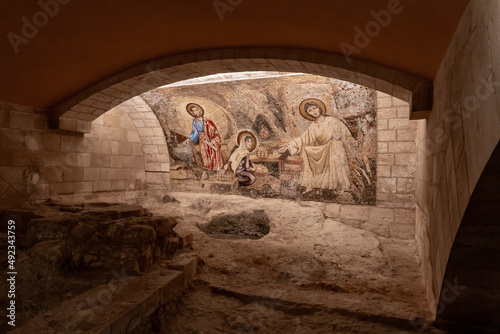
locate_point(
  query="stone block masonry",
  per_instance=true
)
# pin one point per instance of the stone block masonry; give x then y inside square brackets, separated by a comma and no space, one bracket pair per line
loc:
[394,215]
[458,138]
[39,163]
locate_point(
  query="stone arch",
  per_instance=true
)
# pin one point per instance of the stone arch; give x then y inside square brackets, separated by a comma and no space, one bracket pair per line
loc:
[154,145]
[469,292]
[78,112]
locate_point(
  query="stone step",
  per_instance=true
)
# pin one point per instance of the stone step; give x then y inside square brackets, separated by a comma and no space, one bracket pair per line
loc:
[119,306]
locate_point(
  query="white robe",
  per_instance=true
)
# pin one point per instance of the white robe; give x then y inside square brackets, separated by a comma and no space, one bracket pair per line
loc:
[324,159]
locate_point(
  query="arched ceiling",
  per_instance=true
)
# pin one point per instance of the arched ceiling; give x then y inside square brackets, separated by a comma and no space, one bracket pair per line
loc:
[86,42]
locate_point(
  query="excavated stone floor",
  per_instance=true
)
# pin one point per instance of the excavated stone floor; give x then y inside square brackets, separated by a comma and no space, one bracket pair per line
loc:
[309,274]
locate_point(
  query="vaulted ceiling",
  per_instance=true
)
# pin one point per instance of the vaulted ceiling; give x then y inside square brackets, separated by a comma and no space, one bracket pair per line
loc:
[80,43]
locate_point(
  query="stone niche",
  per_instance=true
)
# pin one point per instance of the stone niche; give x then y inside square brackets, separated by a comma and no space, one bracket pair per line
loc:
[340,168]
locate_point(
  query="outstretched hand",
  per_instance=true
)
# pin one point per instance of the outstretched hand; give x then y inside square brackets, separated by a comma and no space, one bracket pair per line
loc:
[282,149]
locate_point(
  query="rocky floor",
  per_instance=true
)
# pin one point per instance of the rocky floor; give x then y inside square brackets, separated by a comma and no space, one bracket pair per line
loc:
[63,250]
[309,274]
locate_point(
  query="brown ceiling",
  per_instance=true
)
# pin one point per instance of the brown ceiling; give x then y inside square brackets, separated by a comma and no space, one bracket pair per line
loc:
[88,41]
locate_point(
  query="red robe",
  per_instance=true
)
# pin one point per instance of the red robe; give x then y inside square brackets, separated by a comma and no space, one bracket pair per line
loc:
[210,144]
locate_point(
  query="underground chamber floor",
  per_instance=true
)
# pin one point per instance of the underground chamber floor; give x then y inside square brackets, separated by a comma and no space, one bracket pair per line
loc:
[307,274]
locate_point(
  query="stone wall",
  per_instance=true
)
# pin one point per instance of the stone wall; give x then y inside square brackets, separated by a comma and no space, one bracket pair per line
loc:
[456,141]
[154,146]
[394,213]
[37,162]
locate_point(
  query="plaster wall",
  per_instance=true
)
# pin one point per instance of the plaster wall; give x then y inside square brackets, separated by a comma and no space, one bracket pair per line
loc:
[456,141]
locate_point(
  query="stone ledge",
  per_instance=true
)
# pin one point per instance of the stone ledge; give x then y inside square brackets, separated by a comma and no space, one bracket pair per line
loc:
[119,306]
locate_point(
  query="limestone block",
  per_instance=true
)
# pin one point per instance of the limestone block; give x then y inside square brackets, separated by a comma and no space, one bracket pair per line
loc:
[120,134]
[101,186]
[83,160]
[100,160]
[173,287]
[158,140]
[51,142]
[385,159]
[382,147]
[384,171]
[158,131]
[386,113]
[116,161]
[404,216]
[123,173]
[102,131]
[80,109]
[92,145]
[153,122]
[403,171]
[386,135]
[386,185]
[354,212]
[406,185]
[403,112]
[162,158]
[139,123]
[163,149]
[108,173]
[382,124]
[137,149]
[91,174]
[21,120]
[83,187]
[150,158]
[150,148]
[402,147]
[133,136]
[62,188]
[400,103]
[409,159]
[145,132]
[112,121]
[149,305]
[133,162]
[379,227]
[188,264]
[133,115]
[72,174]
[152,167]
[402,231]
[125,148]
[399,123]
[138,174]
[126,123]
[384,101]
[406,135]
[155,178]
[391,200]
[87,117]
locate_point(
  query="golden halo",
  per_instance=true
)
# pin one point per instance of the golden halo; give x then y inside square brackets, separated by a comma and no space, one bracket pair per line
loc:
[305,114]
[189,105]
[241,137]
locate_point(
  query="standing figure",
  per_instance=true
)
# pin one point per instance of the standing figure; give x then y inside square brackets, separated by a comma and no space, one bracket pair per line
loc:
[205,134]
[240,162]
[322,147]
